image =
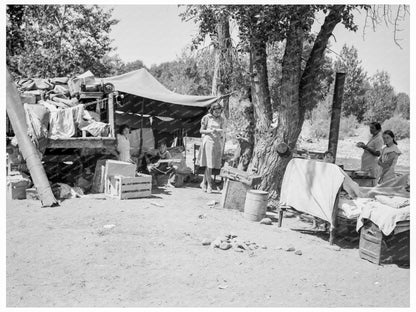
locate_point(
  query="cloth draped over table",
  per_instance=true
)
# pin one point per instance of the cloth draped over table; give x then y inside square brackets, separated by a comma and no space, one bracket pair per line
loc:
[384,216]
[311,186]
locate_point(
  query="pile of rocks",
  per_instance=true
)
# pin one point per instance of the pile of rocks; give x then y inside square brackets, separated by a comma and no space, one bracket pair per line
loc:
[231,241]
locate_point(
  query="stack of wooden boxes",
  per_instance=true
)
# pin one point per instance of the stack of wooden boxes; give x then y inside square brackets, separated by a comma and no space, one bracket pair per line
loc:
[118,179]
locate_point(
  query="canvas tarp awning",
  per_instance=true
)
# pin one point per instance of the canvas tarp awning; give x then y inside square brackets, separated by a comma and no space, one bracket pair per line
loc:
[143,89]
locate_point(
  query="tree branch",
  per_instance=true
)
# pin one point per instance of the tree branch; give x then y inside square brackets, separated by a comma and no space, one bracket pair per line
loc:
[332,19]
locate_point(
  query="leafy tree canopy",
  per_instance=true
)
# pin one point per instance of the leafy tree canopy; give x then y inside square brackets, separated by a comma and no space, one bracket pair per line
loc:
[402,104]
[380,98]
[355,86]
[57,40]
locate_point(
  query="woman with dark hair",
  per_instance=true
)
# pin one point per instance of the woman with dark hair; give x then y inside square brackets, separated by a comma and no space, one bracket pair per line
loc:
[372,150]
[388,158]
[123,144]
[210,153]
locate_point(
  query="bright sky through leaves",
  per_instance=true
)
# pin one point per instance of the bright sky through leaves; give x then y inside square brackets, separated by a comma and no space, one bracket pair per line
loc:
[155,34]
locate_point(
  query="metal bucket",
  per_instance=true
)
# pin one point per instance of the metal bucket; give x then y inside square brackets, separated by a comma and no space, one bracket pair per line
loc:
[255,205]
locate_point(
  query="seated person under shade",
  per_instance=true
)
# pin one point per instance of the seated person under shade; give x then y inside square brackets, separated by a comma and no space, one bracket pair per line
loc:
[159,164]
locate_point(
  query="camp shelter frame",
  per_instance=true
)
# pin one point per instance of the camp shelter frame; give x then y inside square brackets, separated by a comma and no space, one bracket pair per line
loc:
[143,94]
[91,142]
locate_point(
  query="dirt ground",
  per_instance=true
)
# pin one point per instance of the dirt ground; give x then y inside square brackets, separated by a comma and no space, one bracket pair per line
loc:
[153,256]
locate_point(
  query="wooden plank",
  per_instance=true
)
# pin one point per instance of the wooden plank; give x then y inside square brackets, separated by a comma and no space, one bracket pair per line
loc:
[134,180]
[234,195]
[133,187]
[88,142]
[119,168]
[136,195]
[98,180]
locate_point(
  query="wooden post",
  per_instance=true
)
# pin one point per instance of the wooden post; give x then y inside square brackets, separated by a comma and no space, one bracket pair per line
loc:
[336,114]
[110,108]
[16,113]
[141,129]
[334,220]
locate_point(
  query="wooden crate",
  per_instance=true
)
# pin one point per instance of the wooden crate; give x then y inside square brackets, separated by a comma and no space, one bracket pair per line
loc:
[381,249]
[239,175]
[234,195]
[129,187]
[117,168]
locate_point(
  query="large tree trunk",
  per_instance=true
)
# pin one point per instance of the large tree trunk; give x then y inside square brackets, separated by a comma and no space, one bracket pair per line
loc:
[260,86]
[17,118]
[221,81]
[295,89]
[269,164]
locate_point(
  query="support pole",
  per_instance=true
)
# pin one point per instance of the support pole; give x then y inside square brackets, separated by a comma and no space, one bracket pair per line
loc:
[111,114]
[336,114]
[16,114]
[141,129]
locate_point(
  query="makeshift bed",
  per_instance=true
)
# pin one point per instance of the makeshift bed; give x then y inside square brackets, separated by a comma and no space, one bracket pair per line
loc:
[325,191]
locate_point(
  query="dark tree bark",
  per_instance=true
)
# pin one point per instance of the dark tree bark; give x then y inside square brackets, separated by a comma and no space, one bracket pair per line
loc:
[260,93]
[295,89]
[221,82]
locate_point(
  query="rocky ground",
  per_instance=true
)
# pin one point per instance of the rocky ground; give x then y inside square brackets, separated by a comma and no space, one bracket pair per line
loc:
[102,252]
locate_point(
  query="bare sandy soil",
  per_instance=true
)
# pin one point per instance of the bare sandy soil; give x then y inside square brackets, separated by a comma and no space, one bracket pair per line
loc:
[153,256]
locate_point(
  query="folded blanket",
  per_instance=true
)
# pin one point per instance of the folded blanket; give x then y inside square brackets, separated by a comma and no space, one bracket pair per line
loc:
[393,201]
[385,217]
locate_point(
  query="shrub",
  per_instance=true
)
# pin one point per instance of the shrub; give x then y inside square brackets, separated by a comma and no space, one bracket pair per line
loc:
[399,125]
[320,121]
[347,127]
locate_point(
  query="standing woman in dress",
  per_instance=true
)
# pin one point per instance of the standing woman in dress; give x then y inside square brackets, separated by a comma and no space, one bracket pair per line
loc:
[210,153]
[388,158]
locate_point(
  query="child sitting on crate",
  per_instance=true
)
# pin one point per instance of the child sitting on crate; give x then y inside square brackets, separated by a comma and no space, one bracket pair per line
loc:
[159,164]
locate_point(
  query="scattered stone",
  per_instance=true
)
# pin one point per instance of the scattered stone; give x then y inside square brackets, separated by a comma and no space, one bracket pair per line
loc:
[202,216]
[298,252]
[109,226]
[333,247]
[243,246]
[206,242]
[225,246]
[156,204]
[319,285]
[290,248]
[216,243]
[266,221]
[263,247]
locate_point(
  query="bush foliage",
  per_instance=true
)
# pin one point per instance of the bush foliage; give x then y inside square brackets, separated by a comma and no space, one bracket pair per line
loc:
[399,125]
